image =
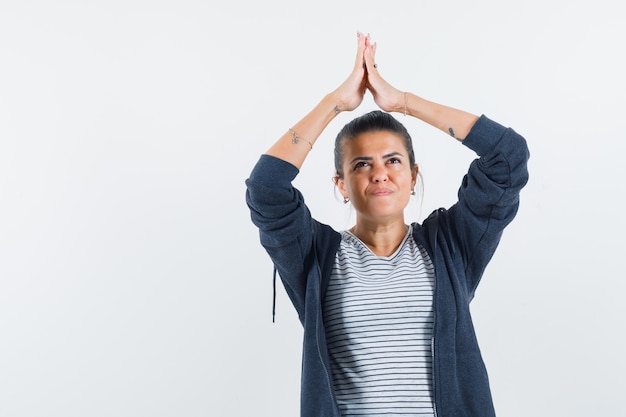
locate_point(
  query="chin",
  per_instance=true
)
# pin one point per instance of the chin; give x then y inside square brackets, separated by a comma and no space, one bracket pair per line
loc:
[384,214]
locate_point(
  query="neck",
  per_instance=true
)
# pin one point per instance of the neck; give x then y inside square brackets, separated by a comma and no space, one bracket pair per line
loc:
[383,239]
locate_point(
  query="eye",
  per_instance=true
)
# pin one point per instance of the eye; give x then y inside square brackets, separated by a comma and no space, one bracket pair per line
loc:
[394,161]
[360,164]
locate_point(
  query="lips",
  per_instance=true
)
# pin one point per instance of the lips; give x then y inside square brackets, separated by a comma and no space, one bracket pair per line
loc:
[381,192]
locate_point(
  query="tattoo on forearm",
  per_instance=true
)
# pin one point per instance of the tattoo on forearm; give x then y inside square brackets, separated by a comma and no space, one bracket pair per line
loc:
[451,132]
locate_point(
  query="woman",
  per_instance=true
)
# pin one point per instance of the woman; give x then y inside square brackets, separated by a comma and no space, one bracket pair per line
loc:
[385,305]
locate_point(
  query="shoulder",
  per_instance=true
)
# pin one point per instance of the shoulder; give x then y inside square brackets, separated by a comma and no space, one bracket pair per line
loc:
[326,238]
[326,241]
[437,226]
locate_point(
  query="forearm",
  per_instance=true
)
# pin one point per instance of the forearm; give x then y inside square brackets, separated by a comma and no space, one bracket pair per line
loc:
[296,143]
[454,122]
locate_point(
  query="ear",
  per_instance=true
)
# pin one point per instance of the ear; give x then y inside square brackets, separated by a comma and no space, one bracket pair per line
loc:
[341,186]
[416,169]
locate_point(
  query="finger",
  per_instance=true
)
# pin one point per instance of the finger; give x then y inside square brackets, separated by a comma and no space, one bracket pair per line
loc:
[359,62]
[370,58]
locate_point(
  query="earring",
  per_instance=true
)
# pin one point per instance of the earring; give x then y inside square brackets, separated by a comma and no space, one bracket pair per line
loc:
[346,200]
[412,192]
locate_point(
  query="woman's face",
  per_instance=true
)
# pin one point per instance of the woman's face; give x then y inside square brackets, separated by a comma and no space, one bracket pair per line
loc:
[378,176]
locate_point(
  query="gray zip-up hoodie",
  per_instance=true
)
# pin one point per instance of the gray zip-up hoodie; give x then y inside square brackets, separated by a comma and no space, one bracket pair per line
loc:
[460,241]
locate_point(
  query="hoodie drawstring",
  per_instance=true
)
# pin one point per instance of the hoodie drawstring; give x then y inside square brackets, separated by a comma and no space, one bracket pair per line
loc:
[274,297]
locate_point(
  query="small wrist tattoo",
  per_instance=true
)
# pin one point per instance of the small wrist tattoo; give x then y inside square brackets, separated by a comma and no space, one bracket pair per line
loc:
[337,110]
[451,132]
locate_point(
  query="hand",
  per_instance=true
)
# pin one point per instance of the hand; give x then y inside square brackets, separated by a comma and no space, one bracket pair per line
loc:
[387,97]
[349,94]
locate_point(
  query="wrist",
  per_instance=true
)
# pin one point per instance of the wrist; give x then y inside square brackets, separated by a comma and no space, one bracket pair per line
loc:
[401,102]
[332,102]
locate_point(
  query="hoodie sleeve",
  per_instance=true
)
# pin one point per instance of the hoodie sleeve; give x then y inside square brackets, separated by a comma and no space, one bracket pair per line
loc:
[489,194]
[284,222]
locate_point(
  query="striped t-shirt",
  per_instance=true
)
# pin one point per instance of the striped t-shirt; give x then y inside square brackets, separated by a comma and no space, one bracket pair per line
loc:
[378,315]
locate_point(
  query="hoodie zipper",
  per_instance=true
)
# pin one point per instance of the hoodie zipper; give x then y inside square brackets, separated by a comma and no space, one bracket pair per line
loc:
[320,317]
[433,371]
[328,379]
[432,345]
[432,340]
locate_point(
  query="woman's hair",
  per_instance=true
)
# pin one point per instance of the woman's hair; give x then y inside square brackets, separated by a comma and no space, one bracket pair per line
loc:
[374,121]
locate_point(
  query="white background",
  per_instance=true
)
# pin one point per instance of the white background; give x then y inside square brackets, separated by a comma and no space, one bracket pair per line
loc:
[132,282]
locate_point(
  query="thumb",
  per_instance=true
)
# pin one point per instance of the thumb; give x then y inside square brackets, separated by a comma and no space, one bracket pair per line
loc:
[361,47]
[370,58]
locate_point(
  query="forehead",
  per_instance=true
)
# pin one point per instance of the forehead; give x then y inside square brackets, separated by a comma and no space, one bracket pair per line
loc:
[375,143]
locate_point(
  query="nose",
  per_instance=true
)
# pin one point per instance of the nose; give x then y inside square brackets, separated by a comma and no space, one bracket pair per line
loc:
[379,174]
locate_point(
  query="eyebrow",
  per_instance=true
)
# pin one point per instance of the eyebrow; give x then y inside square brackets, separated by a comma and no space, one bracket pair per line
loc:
[369,158]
